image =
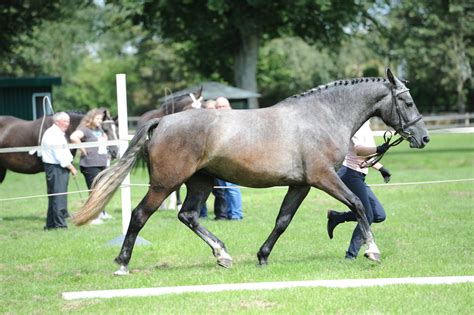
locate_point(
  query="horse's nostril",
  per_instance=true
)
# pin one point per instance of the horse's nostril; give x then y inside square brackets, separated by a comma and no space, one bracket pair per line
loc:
[426,139]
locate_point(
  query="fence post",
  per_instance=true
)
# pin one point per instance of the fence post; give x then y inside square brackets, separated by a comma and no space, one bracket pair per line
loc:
[123,135]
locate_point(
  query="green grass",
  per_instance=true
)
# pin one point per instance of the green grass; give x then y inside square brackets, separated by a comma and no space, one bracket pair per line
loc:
[428,232]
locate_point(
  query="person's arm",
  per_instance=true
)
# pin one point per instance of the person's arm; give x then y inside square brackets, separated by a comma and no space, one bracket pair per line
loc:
[363,150]
[76,137]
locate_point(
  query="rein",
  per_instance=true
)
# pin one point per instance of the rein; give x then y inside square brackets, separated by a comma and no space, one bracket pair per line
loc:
[375,158]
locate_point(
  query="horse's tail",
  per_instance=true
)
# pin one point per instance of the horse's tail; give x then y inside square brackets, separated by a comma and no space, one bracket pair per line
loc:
[107,182]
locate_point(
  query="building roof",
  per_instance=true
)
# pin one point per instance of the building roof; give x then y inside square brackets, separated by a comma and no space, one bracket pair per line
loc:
[29,82]
[212,90]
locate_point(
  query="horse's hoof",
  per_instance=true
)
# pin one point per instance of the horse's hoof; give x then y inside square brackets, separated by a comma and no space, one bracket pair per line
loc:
[373,257]
[262,264]
[225,262]
[123,271]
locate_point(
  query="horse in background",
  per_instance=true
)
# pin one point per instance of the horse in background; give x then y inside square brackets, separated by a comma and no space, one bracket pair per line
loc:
[16,132]
[171,106]
[296,143]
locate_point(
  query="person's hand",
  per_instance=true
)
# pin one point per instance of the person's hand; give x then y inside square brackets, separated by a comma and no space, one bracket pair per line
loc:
[73,170]
[385,174]
[381,149]
[83,152]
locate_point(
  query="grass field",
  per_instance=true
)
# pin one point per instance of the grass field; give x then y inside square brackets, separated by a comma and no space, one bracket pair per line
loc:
[428,232]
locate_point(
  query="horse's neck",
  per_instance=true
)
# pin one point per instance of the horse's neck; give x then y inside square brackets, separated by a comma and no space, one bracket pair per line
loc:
[353,105]
[75,120]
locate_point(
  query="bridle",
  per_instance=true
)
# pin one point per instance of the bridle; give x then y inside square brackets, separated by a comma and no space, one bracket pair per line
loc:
[403,131]
[112,126]
[114,134]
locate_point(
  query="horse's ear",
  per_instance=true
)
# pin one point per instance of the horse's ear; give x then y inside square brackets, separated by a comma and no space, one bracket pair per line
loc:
[198,92]
[391,77]
[106,114]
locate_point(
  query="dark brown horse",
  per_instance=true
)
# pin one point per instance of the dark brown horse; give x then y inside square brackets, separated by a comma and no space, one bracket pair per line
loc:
[296,143]
[15,132]
[171,106]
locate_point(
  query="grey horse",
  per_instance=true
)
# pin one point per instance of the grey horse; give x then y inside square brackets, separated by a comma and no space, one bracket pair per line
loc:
[296,143]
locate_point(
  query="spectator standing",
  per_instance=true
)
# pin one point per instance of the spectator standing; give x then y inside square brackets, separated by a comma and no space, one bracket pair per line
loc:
[232,194]
[57,165]
[95,159]
[220,205]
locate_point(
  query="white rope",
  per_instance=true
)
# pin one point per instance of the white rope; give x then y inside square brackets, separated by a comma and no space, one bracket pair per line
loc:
[226,187]
[33,151]
[45,195]
[62,146]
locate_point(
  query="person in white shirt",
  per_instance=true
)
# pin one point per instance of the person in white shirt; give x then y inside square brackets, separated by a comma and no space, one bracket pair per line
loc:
[362,145]
[57,165]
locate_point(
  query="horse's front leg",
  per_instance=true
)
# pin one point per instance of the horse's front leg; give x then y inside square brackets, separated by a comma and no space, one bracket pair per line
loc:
[198,189]
[333,185]
[293,199]
[140,216]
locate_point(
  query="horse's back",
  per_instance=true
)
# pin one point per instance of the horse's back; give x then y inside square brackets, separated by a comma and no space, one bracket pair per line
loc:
[236,145]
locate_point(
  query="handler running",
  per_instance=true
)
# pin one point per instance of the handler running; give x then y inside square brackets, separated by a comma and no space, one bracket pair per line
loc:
[362,145]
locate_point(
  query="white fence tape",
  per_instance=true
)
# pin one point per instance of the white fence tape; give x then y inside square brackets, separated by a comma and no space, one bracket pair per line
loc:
[62,146]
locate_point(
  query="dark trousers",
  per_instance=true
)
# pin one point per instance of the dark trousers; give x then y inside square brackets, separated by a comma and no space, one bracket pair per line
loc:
[374,210]
[90,173]
[220,205]
[57,179]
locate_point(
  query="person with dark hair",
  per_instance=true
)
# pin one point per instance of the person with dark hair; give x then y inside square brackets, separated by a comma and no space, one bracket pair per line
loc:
[57,165]
[95,159]
[353,175]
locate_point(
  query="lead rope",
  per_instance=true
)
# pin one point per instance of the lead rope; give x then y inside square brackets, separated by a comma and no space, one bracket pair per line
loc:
[169,95]
[31,152]
[375,158]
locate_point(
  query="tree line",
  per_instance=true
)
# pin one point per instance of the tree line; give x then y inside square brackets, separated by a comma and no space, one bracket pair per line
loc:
[278,48]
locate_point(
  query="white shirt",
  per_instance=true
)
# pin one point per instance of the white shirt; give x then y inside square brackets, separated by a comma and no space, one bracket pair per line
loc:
[55,136]
[364,137]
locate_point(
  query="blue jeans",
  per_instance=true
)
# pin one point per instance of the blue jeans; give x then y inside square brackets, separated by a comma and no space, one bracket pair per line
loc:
[374,210]
[233,198]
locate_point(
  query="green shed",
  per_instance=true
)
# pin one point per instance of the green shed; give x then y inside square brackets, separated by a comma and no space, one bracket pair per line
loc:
[23,97]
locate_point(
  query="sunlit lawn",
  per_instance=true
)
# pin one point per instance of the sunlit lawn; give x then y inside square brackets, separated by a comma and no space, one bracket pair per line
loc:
[428,232]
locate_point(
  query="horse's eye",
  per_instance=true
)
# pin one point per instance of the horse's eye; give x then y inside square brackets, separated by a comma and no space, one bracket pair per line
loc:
[409,104]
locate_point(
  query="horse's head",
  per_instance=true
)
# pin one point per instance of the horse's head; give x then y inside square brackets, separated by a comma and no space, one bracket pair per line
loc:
[109,125]
[402,114]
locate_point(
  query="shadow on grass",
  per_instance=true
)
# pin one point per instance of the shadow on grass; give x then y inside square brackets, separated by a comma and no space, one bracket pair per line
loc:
[22,218]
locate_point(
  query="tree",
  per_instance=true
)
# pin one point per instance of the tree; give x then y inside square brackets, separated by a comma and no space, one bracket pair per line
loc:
[224,36]
[433,41]
[19,21]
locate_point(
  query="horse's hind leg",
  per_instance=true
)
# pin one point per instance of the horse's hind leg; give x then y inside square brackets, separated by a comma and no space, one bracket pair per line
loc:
[198,188]
[140,215]
[293,199]
[333,185]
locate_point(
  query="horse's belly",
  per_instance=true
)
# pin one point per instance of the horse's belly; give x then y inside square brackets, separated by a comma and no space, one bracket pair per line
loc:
[21,163]
[259,173]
